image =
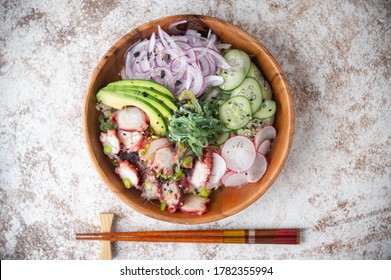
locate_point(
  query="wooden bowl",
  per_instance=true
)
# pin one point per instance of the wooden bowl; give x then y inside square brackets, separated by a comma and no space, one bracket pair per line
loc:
[227,201]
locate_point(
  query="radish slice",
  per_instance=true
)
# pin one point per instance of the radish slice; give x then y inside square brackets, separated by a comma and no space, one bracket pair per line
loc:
[268,132]
[227,174]
[239,153]
[258,169]
[264,147]
[218,170]
[235,179]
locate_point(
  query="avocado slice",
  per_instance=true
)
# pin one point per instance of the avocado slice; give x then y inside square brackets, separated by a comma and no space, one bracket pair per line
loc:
[168,101]
[118,100]
[145,84]
[158,104]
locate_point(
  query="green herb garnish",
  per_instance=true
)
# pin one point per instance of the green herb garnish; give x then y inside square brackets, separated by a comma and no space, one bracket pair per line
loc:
[194,124]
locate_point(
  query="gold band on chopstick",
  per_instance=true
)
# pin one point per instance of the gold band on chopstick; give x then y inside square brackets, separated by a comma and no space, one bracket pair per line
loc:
[235,236]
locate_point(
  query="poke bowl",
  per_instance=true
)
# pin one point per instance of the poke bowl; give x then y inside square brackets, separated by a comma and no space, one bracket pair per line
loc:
[188,119]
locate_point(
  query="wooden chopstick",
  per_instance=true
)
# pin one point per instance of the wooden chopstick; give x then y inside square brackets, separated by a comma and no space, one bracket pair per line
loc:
[258,236]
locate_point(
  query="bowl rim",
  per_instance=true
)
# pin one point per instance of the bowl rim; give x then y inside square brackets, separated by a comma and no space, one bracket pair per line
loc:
[203,218]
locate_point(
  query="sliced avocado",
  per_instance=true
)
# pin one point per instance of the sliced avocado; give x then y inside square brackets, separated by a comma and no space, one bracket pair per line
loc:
[159,105]
[146,84]
[120,100]
[168,101]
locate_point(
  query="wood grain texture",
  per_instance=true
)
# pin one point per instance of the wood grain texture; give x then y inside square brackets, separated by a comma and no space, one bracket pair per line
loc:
[106,221]
[228,201]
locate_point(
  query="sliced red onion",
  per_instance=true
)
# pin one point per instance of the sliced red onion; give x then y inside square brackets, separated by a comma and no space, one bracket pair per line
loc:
[173,28]
[205,66]
[209,34]
[145,65]
[189,61]
[214,80]
[152,42]
[222,46]
[193,33]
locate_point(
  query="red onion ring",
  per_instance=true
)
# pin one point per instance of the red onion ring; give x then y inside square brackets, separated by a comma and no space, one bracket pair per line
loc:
[182,62]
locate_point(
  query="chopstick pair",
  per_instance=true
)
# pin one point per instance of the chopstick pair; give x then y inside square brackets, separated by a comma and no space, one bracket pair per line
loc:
[257,236]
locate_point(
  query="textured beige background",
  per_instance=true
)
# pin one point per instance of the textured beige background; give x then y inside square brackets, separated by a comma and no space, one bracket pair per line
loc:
[336,183]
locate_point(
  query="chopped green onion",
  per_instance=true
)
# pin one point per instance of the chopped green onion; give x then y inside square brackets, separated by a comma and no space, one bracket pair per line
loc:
[105,124]
[127,182]
[204,194]
[188,162]
[107,149]
[162,206]
[160,175]
[145,150]
[178,175]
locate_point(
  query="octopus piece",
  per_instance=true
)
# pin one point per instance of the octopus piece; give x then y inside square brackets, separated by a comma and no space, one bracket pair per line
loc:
[172,195]
[200,175]
[148,153]
[219,168]
[110,142]
[128,174]
[131,141]
[130,119]
[151,188]
[185,185]
[208,156]
[164,161]
[202,170]
[133,159]
[194,205]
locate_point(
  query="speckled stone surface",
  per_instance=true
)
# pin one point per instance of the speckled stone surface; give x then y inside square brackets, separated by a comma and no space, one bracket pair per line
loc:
[336,184]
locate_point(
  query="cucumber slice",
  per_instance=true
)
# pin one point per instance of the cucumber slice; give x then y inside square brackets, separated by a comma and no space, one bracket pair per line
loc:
[240,65]
[250,89]
[236,112]
[267,110]
[244,130]
[255,73]
[257,123]
[213,94]
[222,138]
